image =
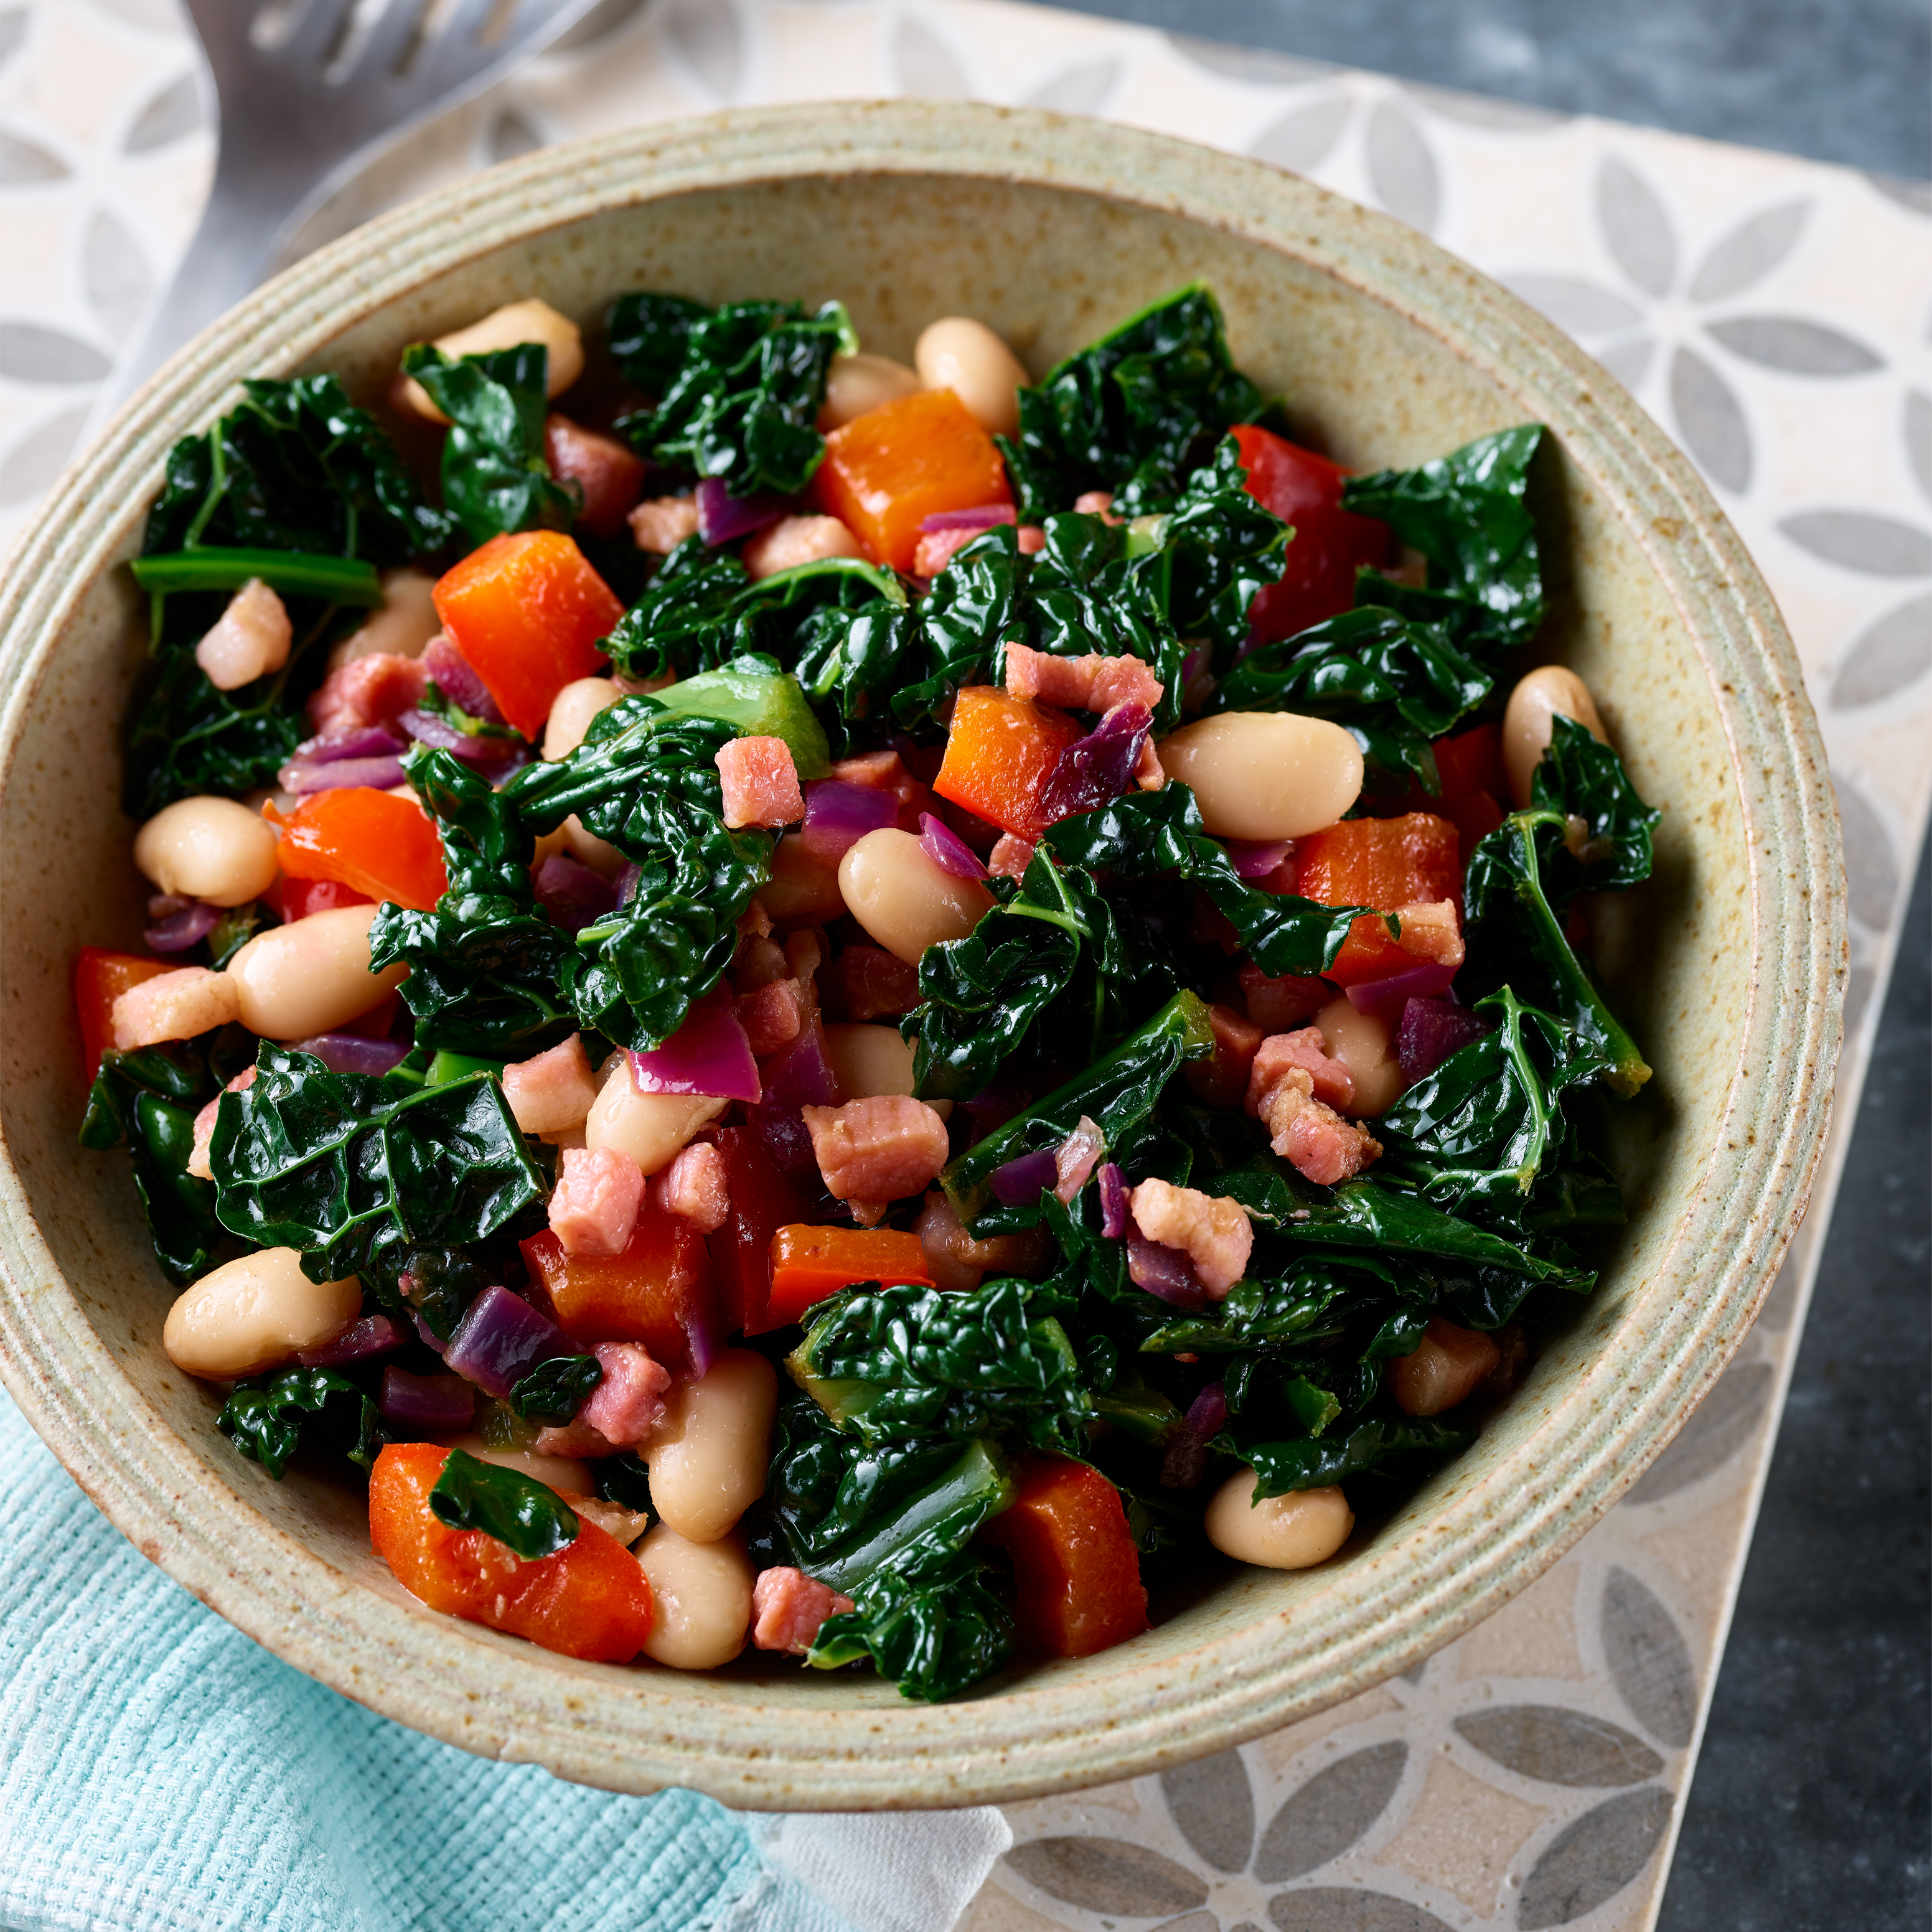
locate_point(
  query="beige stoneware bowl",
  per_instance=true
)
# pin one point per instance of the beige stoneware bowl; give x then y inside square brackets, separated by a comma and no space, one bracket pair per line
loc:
[1729,966]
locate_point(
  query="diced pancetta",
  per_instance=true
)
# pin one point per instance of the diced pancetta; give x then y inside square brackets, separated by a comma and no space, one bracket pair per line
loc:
[772,1015]
[788,1607]
[872,982]
[373,690]
[204,1125]
[1150,774]
[793,541]
[593,1209]
[1032,537]
[1097,503]
[251,638]
[1332,1083]
[761,784]
[1093,682]
[1011,856]
[1076,1158]
[1310,1134]
[552,1091]
[938,548]
[174,1005]
[628,1403]
[876,1150]
[957,1262]
[661,523]
[1221,1080]
[574,1438]
[696,1185]
[608,472]
[1431,930]
[1277,1005]
[1214,1234]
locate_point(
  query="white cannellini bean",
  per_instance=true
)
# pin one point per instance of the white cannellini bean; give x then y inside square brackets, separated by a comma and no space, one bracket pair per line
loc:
[1364,1045]
[254,1314]
[700,1599]
[1538,696]
[571,711]
[650,1127]
[902,898]
[868,1059]
[250,639]
[1266,775]
[400,626]
[708,1459]
[209,848]
[311,976]
[793,541]
[587,849]
[965,356]
[857,383]
[1290,1532]
[556,1472]
[528,321]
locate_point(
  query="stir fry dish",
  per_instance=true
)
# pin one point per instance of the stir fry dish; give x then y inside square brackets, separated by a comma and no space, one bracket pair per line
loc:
[869,1008]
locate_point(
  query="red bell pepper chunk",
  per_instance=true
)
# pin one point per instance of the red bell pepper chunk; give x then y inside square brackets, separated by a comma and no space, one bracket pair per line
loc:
[100,978]
[1000,753]
[762,1200]
[1390,862]
[1076,1573]
[373,841]
[658,1292]
[527,612]
[1470,767]
[1319,574]
[808,1264]
[591,1599]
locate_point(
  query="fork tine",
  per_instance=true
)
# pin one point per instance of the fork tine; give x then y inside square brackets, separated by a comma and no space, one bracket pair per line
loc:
[315,34]
[387,40]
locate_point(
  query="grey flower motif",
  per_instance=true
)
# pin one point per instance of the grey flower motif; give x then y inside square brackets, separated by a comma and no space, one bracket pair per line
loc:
[1668,318]
[1397,163]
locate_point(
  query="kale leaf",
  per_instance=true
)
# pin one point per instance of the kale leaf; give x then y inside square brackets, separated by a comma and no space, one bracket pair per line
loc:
[1129,412]
[680,622]
[353,1172]
[1314,1463]
[554,1390]
[529,1518]
[933,1631]
[740,400]
[264,1420]
[1582,779]
[1311,1300]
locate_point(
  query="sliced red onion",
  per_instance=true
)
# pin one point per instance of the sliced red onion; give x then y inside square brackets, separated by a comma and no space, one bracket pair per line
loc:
[722,518]
[572,894]
[838,815]
[181,930]
[947,849]
[1113,1200]
[985,517]
[456,679]
[1431,1030]
[1255,862]
[709,1055]
[1164,1271]
[1386,997]
[366,741]
[427,1405]
[301,776]
[430,1338]
[993,1106]
[500,1339]
[427,728]
[1186,1461]
[1097,769]
[796,1076]
[374,1335]
[1076,1158]
[626,882]
[1018,1183]
[1194,663]
[351,1053]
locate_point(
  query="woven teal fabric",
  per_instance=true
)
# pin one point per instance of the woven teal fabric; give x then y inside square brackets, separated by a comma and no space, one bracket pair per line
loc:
[160,1770]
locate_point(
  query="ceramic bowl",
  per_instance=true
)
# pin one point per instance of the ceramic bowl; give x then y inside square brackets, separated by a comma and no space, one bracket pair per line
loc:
[1728,966]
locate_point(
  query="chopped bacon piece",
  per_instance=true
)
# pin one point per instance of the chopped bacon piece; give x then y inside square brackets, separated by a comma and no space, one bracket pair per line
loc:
[938,548]
[788,1606]
[886,771]
[759,960]
[628,1403]
[661,523]
[696,1186]
[1076,1158]
[1222,1079]
[1097,503]
[1333,1084]
[609,475]
[554,1090]
[956,1261]
[793,541]
[1275,1006]
[1324,1147]
[204,1125]
[594,1208]
[374,690]
[876,1150]
[1431,930]
[1032,539]
[251,638]
[871,983]
[1214,1234]
[175,1005]
[1011,856]
[575,1437]
[761,784]
[1150,774]
[772,1016]
[1093,682]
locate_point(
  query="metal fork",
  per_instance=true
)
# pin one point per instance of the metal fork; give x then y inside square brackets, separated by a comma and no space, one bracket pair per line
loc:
[310,91]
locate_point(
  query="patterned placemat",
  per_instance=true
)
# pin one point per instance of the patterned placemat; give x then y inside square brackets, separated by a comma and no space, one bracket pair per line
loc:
[1773,313]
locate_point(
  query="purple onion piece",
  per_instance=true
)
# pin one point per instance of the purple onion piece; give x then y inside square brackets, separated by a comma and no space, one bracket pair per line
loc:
[572,894]
[487,754]
[1018,1183]
[374,1335]
[181,930]
[456,678]
[1431,1030]
[1186,1461]
[302,776]
[430,1338]
[1100,767]
[987,517]
[1194,663]
[1164,1271]
[796,1077]
[722,516]
[947,849]
[500,1339]
[709,1055]
[1386,997]
[427,1405]
[626,882]
[993,1106]
[350,1053]
[1252,861]
[367,741]
[838,815]
[1113,1200]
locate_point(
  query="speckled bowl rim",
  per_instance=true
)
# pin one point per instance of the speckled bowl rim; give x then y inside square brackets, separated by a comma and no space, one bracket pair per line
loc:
[450,1679]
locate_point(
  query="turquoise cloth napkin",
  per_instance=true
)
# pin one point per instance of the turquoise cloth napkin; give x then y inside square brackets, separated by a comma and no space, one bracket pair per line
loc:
[161,1772]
